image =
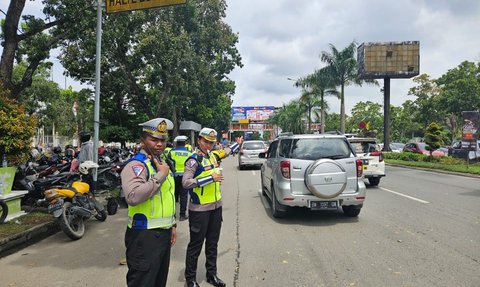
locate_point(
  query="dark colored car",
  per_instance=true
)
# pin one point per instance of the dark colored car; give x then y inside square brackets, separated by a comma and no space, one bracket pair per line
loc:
[421,148]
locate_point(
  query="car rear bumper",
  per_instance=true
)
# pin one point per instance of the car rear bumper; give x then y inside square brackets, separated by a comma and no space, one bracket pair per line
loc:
[285,197]
[374,170]
[251,161]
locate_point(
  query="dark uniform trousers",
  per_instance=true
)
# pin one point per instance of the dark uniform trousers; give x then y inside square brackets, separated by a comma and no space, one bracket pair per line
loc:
[181,194]
[148,256]
[204,226]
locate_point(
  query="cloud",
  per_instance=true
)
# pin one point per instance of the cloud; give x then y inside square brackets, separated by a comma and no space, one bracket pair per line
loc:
[281,39]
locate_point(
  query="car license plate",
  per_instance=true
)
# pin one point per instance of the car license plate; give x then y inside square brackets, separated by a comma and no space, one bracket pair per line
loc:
[323,205]
[55,206]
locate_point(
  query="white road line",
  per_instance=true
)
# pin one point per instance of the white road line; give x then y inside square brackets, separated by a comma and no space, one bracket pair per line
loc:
[404,195]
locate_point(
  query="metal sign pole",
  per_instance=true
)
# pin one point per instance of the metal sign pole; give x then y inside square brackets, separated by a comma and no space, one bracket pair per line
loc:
[96,114]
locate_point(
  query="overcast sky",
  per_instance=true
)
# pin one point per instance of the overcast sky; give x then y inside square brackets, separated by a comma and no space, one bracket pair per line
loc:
[280,39]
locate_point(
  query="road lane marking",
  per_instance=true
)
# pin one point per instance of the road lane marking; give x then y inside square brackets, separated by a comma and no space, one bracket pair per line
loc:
[404,195]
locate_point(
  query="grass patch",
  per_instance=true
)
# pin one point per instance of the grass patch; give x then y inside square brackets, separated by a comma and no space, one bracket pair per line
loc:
[441,163]
[23,223]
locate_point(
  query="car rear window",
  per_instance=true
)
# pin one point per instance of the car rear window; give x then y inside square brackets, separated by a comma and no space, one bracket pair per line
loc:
[365,147]
[317,148]
[253,145]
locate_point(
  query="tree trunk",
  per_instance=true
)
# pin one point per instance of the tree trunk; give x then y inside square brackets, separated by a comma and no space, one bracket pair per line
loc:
[322,114]
[176,125]
[342,109]
[10,42]
[165,94]
[309,119]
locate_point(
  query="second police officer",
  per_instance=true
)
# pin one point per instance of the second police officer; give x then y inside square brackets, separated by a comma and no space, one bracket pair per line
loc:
[203,177]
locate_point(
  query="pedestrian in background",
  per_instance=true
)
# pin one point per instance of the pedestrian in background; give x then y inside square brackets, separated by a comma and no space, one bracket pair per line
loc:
[86,147]
[150,193]
[202,176]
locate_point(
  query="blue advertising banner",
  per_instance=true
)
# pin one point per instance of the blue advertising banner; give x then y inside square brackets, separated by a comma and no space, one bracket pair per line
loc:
[260,113]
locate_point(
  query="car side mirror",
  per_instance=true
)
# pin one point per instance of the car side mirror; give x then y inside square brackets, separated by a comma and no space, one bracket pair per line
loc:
[262,155]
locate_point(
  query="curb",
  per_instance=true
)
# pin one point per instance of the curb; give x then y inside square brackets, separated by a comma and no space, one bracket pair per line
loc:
[28,237]
[472,175]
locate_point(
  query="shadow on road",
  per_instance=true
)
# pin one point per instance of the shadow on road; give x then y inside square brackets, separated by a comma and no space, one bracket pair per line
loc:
[307,217]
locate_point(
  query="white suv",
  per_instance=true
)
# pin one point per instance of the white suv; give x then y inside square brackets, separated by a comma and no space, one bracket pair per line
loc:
[319,172]
[368,150]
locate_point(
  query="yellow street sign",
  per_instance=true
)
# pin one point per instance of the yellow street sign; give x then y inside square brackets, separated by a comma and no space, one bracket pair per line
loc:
[114,6]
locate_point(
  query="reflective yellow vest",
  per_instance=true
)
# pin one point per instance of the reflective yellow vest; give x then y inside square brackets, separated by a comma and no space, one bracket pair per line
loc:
[209,193]
[159,210]
[179,156]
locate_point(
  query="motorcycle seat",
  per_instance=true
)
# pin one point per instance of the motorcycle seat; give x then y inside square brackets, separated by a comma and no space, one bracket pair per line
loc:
[43,182]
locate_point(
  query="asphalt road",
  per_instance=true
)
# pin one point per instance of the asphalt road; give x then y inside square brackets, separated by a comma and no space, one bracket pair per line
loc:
[417,228]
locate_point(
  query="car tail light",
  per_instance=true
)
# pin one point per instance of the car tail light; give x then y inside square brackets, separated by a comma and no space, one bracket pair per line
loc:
[285,168]
[379,154]
[359,167]
[241,151]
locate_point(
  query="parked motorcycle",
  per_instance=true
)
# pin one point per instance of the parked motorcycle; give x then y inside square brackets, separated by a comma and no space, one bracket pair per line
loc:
[27,178]
[74,204]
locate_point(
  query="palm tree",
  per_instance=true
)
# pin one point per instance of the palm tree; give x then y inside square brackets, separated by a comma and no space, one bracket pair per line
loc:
[321,84]
[308,101]
[342,66]
[289,117]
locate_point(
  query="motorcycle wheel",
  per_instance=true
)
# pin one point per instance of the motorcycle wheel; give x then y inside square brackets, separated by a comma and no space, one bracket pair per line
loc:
[71,225]
[112,206]
[3,211]
[101,212]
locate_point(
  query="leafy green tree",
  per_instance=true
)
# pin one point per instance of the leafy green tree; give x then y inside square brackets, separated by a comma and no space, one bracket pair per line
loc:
[425,105]
[31,40]
[16,127]
[432,137]
[332,122]
[460,88]
[171,62]
[266,135]
[402,122]
[459,91]
[371,113]
[342,66]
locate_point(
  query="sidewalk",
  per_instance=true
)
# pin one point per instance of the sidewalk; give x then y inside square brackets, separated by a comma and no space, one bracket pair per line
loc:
[30,236]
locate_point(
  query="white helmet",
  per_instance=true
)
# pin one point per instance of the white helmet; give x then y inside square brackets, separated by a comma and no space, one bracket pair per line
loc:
[86,166]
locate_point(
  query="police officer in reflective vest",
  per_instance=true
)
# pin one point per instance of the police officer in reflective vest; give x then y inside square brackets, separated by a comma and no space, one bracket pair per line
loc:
[203,177]
[150,193]
[179,155]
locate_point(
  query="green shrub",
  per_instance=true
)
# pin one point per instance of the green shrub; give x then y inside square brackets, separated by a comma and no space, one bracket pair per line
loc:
[406,156]
[16,129]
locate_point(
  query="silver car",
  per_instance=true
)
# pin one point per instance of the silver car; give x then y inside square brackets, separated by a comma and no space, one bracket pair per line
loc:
[319,172]
[248,154]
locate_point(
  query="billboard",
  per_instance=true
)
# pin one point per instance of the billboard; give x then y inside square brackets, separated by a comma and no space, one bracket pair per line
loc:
[388,60]
[470,126]
[260,113]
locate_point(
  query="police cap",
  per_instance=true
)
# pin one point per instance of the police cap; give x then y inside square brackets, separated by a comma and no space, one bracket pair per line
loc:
[180,139]
[208,134]
[157,128]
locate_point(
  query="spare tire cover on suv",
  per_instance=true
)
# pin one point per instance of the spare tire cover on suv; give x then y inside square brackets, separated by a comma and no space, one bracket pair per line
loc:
[325,178]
